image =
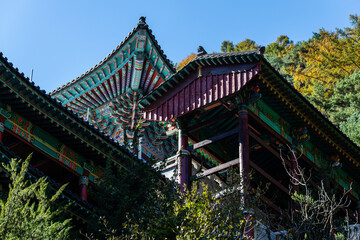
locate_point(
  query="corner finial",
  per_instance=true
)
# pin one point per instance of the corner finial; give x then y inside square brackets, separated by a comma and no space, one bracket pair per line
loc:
[142,21]
[201,51]
[262,50]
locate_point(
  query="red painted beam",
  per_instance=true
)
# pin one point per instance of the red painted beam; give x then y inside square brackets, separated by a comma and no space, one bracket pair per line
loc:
[199,92]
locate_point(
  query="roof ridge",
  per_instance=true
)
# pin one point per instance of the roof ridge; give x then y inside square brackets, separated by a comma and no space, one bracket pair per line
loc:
[141,25]
[259,51]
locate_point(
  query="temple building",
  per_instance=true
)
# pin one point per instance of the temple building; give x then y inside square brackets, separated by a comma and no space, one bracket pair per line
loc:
[108,95]
[221,110]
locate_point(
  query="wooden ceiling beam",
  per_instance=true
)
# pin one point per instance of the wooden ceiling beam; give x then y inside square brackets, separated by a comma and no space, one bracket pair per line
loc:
[217,168]
[199,126]
[213,139]
[269,177]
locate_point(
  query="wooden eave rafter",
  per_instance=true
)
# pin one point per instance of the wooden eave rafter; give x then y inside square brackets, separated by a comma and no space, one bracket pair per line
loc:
[77,129]
[296,103]
[124,49]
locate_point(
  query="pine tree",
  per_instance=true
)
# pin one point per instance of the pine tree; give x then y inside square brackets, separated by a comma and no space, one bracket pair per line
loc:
[246,45]
[351,127]
[346,98]
[27,212]
[227,46]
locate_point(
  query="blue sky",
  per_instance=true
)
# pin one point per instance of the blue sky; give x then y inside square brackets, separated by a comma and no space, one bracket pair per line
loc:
[60,40]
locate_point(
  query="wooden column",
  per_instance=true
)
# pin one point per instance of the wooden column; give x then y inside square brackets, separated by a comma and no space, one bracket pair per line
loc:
[244,159]
[358,212]
[84,184]
[184,160]
[140,149]
[244,165]
[2,128]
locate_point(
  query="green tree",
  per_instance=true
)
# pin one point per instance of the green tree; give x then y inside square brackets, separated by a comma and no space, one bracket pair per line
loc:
[351,127]
[329,56]
[123,193]
[245,45]
[345,100]
[287,60]
[319,97]
[28,212]
[280,47]
[227,46]
[198,213]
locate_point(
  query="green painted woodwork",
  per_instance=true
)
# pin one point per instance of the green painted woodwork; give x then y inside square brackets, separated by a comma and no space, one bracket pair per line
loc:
[270,117]
[137,64]
[36,107]
[47,143]
[279,125]
[138,47]
[208,156]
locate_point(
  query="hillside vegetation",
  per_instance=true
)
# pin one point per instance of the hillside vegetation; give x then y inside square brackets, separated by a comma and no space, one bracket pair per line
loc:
[325,69]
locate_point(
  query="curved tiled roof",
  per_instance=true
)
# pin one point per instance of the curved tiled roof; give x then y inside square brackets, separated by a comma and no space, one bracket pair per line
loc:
[203,59]
[203,55]
[61,108]
[141,25]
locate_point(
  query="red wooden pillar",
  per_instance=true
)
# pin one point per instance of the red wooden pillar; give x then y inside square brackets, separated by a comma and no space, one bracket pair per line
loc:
[2,127]
[244,159]
[84,183]
[184,160]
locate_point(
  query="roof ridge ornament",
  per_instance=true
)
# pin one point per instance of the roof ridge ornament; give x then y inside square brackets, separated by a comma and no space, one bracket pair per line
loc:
[201,51]
[261,50]
[142,22]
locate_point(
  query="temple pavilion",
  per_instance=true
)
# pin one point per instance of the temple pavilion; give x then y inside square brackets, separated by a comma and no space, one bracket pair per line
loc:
[220,111]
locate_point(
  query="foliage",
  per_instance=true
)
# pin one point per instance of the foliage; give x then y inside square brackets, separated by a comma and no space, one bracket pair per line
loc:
[346,98]
[351,127]
[318,98]
[326,70]
[123,193]
[329,56]
[245,45]
[227,46]
[317,207]
[280,47]
[27,212]
[203,214]
[185,61]
[285,57]
[197,213]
